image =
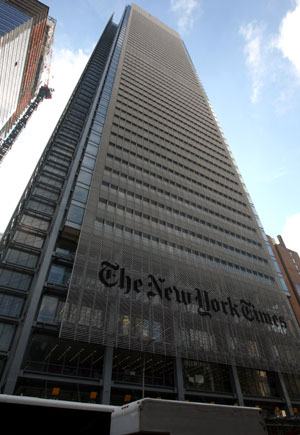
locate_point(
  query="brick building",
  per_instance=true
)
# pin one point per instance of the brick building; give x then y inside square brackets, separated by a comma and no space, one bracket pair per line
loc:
[289,263]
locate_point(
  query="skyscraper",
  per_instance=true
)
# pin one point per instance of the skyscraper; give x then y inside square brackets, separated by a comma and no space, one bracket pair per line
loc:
[135,263]
[15,31]
[26,32]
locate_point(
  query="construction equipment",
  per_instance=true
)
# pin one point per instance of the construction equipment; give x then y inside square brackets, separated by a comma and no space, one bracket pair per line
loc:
[44,92]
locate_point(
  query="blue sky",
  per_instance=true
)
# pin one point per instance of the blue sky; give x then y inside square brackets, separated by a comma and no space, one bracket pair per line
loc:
[247,57]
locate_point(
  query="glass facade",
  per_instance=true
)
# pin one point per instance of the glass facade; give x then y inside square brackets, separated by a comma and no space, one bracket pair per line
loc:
[25,36]
[15,28]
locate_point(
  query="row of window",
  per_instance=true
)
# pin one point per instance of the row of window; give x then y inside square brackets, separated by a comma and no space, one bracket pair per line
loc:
[127,98]
[176,197]
[188,216]
[80,194]
[179,175]
[176,162]
[164,243]
[154,90]
[124,116]
[195,100]
[180,229]
[196,119]
[193,107]
[32,227]
[76,211]
[166,52]
[128,108]
[42,201]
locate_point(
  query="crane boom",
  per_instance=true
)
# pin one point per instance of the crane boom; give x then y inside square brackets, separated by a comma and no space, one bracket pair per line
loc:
[44,92]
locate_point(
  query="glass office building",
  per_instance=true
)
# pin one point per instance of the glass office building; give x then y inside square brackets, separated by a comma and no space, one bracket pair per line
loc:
[15,27]
[23,34]
[135,264]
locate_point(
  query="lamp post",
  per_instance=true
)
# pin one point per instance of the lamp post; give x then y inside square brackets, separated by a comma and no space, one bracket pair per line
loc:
[144,364]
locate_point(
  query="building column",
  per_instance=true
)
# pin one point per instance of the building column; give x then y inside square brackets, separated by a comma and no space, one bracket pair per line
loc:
[179,378]
[107,372]
[284,394]
[236,385]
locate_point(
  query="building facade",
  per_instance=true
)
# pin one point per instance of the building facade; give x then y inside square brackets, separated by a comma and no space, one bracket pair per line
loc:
[289,263]
[15,28]
[135,264]
[24,31]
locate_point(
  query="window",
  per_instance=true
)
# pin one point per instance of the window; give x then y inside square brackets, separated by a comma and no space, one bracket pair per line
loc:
[88,162]
[59,274]
[102,110]
[51,181]
[100,118]
[35,222]
[55,170]
[66,246]
[51,310]
[91,149]
[21,258]
[124,325]
[46,193]
[97,128]
[80,194]
[6,336]
[95,138]
[104,102]
[85,177]
[75,214]
[10,306]
[14,279]
[204,376]
[28,239]
[41,206]
[257,382]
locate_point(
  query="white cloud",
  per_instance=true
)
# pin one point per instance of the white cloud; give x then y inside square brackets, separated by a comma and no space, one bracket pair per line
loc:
[266,56]
[289,35]
[186,10]
[291,233]
[254,48]
[20,161]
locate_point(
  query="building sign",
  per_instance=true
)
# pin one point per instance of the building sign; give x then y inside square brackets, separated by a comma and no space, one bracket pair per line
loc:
[112,275]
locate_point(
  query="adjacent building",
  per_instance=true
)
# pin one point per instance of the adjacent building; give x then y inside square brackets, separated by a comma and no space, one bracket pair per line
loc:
[26,33]
[289,263]
[135,264]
